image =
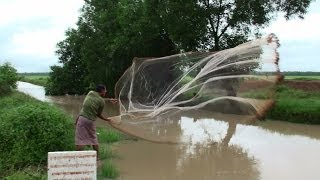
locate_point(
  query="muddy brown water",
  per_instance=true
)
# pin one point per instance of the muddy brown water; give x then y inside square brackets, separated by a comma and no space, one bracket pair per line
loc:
[216,146]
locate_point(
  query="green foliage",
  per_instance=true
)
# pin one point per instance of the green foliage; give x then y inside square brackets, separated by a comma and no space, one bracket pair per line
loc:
[222,24]
[15,99]
[111,33]
[105,152]
[296,106]
[8,78]
[28,174]
[108,135]
[105,137]
[108,170]
[29,130]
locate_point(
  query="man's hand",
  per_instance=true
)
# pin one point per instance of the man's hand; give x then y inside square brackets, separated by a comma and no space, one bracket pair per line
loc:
[104,118]
[113,101]
[107,119]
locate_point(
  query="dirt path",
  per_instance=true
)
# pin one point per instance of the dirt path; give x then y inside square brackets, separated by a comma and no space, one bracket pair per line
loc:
[313,85]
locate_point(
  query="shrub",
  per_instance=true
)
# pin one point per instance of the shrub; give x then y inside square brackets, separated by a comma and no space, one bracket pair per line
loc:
[29,132]
[8,78]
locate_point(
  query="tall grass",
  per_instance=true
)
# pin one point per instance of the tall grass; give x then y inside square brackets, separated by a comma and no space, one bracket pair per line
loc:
[109,170]
[28,174]
[107,136]
[106,152]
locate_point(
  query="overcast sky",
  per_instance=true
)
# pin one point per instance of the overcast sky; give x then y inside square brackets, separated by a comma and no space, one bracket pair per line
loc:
[30,30]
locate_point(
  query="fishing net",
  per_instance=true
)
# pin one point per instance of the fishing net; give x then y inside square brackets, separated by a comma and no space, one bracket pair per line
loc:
[238,81]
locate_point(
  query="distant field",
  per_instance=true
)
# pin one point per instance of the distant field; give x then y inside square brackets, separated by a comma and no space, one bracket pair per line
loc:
[302,77]
[40,80]
[36,76]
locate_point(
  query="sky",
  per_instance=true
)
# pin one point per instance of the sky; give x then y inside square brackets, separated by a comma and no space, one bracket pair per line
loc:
[30,30]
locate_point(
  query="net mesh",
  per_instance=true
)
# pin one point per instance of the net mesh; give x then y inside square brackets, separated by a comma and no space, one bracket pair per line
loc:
[238,81]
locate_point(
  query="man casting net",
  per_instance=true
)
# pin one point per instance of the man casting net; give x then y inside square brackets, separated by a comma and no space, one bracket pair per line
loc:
[237,81]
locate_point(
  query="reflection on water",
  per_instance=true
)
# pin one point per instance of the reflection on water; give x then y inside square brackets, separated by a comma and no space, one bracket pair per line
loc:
[280,156]
[215,146]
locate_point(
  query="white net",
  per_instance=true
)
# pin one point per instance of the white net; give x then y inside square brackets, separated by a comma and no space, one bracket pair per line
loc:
[238,81]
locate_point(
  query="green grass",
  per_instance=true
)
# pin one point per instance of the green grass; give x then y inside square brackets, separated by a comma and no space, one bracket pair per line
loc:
[36,76]
[13,100]
[107,135]
[40,80]
[109,170]
[296,106]
[28,174]
[306,78]
[106,152]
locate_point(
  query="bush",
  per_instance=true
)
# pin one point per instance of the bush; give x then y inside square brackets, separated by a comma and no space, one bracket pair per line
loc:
[29,132]
[8,78]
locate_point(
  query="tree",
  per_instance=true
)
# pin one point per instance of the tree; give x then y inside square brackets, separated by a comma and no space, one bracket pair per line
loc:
[111,33]
[69,78]
[220,24]
[8,78]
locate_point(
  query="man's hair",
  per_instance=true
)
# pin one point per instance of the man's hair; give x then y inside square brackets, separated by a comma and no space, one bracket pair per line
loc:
[100,87]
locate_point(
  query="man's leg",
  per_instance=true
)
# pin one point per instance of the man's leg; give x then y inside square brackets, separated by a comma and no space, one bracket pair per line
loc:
[79,147]
[96,148]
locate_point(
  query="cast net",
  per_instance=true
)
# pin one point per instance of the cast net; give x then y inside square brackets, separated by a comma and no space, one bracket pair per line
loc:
[238,81]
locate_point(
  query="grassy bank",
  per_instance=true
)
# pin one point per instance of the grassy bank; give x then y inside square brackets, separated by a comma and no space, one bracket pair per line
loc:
[40,80]
[106,154]
[31,128]
[296,106]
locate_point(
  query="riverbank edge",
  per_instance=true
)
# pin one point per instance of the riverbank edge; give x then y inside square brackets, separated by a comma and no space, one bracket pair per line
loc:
[39,172]
[294,102]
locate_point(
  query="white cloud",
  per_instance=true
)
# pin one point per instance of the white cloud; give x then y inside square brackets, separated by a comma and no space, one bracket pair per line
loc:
[36,39]
[41,43]
[307,29]
[300,40]
[33,28]
[12,11]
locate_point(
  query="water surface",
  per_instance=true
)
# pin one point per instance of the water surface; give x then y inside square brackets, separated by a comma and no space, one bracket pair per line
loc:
[215,146]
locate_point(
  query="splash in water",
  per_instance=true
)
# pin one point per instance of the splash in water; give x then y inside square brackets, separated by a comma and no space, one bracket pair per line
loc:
[236,81]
